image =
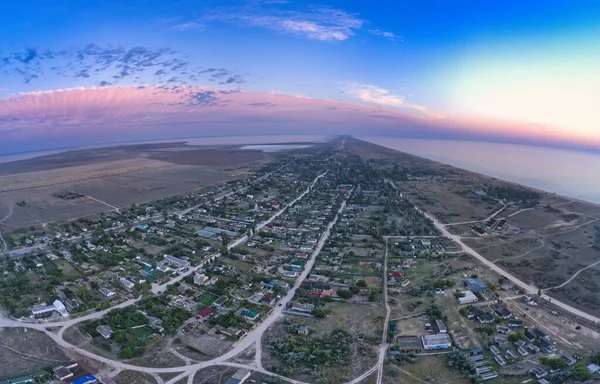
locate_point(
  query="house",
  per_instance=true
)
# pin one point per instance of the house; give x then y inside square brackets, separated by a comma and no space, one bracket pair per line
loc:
[126,283]
[250,315]
[502,329]
[539,372]
[541,335]
[440,326]
[503,313]
[515,323]
[302,307]
[510,355]
[205,313]
[282,284]
[485,318]
[547,346]
[104,330]
[501,362]
[213,280]
[529,335]
[239,377]
[476,285]
[425,242]
[593,368]
[200,278]
[488,375]
[474,312]
[438,341]
[495,350]
[303,330]
[568,359]
[107,292]
[176,262]
[467,298]
[62,373]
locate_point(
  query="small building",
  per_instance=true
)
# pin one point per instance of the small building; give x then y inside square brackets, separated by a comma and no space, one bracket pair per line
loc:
[126,283]
[438,341]
[568,359]
[107,292]
[502,329]
[200,279]
[19,380]
[476,285]
[62,373]
[501,362]
[467,298]
[303,307]
[495,350]
[503,313]
[515,323]
[239,377]
[440,326]
[205,313]
[485,318]
[104,330]
[250,315]
[176,262]
[539,372]
[593,368]
[303,330]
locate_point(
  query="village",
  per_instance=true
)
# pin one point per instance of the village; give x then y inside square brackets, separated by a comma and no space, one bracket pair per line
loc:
[339,253]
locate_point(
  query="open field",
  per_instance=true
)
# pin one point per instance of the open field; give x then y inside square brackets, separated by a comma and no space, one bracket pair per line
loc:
[24,353]
[133,377]
[111,177]
[450,203]
[429,369]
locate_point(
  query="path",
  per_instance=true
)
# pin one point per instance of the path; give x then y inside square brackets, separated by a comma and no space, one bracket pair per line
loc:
[477,221]
[105,203]
[384,345]
[573,277]
[528,288]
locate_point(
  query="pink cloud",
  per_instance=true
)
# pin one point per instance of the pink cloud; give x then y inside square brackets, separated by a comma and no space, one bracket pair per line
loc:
[87,116]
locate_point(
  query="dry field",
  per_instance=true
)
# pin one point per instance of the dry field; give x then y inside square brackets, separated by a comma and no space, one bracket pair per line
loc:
[24,353]
[134,377]
[112,177]
[450,202]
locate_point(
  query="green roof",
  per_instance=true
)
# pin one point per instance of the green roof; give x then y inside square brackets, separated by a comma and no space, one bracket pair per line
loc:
[250,314]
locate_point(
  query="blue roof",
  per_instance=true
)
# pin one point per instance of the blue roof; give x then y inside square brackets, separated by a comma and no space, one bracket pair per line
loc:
[85,380]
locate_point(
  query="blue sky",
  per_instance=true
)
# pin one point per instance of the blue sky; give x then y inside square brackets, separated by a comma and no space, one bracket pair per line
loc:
[516,71]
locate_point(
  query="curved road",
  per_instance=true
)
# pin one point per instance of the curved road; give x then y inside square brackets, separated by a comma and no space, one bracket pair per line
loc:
[251,338]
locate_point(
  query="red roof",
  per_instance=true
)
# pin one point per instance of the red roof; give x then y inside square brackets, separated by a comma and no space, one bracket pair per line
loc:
[397,275]
[206,312]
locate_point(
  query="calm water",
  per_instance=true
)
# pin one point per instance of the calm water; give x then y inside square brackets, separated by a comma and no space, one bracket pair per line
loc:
[274,147]
[568,173]
[220,140]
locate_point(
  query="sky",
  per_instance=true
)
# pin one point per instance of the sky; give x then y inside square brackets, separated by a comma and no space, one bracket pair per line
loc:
[86,72]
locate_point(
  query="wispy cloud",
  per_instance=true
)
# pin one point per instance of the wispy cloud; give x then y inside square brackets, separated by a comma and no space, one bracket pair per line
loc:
[317,23]
[388,35]
[382,97]
[191,26]
[372,94]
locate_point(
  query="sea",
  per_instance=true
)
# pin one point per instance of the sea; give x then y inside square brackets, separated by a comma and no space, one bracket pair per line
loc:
[565,172]
[568,173]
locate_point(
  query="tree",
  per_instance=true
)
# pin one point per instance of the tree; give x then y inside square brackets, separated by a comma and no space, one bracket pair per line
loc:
[361,283]
[318,313]
[554,363]
[344,294]
[580,372]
